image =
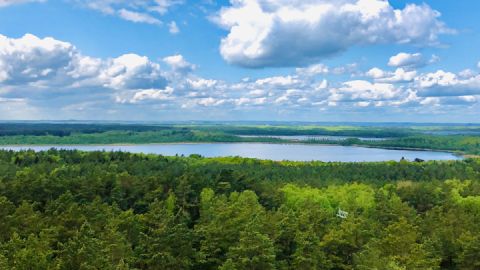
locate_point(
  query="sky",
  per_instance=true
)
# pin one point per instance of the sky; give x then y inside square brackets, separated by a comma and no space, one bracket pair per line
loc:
[251,60]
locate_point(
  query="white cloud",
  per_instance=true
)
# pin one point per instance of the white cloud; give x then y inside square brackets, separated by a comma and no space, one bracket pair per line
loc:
[111,6]
[363,104]
[411,60]
[406,60]
[478,64]
[4,3]
[173,28]
[364,91]
[322,85]
[462,101]
[137,17]
[210,101]
[443,83]
[295,32]
[162,6]
[440,77]
[85,67]
[179,64]
[349,68]
[293,97]
[34,70]
[313,70]
[48,62]
[400,75]
[430,101]
[469,99]
[131,71]
[376,73]
[467,73]
[30,59]
[279,82]
[153,94]
[257,92]
[201,84]
[138,11]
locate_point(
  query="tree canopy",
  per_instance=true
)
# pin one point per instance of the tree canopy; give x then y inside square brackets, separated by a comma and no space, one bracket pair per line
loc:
[64,209]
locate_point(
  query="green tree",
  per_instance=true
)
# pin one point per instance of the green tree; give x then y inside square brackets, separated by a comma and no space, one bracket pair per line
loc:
[308,253]
[253,251]
[6,210]
[468,257]
[167,242]
[400,246]
[85,251]
[344,240]
[221,221]
[26,253]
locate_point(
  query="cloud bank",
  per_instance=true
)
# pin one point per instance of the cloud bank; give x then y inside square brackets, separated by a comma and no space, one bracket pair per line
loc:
[267,33]
[38,72]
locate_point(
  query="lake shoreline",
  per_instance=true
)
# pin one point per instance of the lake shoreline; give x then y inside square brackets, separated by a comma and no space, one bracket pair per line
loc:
[293,151]
[457,153]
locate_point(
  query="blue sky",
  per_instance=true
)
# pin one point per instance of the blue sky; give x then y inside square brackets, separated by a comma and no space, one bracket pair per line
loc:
[305,60]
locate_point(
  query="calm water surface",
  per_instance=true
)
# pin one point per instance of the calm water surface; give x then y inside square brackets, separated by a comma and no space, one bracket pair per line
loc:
[294,152]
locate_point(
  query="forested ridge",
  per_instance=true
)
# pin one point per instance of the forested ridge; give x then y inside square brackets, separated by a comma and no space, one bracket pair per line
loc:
[113,210]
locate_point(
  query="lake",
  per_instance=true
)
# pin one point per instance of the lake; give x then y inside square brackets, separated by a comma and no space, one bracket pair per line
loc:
[293,152]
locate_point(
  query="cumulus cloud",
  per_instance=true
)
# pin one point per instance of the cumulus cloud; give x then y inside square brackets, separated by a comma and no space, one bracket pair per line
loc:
[153,94]
[210,101]
[442,102]
[279,82]
[131,71]
[376,73]
[443,83]
[34,70]
[313,70]
[411,60]
[257,92]
[406,60]
[201,83]
[400,75]
[360,90]
[29,59]
[179,64]
[48,62]
[297,32]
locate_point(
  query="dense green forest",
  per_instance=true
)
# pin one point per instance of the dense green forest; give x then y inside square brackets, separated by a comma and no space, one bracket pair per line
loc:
[115,210]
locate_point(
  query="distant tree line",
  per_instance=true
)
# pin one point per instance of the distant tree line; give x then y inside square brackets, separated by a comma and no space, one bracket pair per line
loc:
[60,130]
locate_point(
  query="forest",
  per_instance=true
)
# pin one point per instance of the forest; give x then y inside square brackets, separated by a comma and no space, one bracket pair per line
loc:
[64,209]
